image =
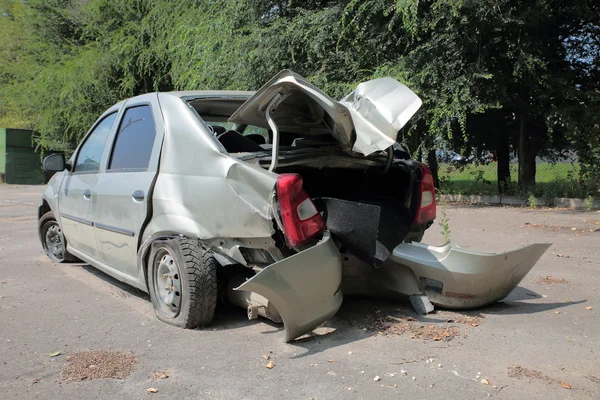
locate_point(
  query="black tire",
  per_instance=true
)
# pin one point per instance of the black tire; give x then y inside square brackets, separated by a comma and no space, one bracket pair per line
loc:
[192,298]
[55,250]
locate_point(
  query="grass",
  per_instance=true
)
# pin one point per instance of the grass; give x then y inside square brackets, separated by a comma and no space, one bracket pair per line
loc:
[552,181]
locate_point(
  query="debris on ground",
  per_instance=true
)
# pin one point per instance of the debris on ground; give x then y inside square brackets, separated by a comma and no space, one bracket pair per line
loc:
[152,390]
[55,354]
[589,308]
[565,385]
[556,228]
[377,378]
[100,364]
[266,356]
[389,325]
[485,381]
[156,375]
[270,364]
[593,378]
[550,280]
[402,362]
[465,320]
[525,373]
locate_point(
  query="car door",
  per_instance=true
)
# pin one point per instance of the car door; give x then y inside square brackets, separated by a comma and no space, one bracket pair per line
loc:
[75,196]
[122,194]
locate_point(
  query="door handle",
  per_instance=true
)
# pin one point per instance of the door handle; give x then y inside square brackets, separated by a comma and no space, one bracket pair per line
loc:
[138,195]
[87,194]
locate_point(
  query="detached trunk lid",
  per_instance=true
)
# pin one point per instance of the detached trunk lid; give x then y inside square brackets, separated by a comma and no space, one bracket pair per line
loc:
[365,121]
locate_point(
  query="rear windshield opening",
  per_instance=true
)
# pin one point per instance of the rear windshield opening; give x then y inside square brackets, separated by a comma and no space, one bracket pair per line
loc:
[238,138]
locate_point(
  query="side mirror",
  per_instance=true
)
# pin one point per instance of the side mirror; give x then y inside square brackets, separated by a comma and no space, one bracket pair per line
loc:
[54,163]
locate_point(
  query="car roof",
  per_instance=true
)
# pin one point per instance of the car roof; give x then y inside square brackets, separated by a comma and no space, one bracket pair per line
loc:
[212,93]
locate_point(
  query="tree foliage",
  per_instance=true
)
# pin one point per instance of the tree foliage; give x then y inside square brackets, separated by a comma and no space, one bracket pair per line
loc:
[495,75]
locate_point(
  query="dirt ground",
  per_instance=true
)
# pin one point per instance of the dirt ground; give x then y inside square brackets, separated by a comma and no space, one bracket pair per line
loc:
[542,342]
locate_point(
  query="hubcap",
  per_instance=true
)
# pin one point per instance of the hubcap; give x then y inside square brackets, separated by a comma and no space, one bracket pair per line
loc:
[167,283]
[54,242]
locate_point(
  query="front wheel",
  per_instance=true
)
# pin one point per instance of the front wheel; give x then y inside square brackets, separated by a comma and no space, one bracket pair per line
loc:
[182,281]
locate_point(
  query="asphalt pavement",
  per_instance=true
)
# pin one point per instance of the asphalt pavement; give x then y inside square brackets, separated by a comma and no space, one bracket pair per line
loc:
[542,342]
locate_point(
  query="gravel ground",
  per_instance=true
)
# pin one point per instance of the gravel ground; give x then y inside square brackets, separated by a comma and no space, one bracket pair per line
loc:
[539,343]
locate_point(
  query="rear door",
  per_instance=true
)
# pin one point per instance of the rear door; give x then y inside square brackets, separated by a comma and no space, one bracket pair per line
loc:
[123,191]
[77,192]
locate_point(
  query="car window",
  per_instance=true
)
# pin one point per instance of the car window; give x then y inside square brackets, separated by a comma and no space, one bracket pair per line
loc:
[226,125]
[90,154]
[257,130]
[135,139]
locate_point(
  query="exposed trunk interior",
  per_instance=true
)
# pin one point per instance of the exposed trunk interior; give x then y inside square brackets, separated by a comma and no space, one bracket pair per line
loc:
[366,210]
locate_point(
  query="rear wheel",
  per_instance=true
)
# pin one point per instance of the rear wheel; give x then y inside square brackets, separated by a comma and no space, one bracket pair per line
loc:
[53,240]
[182,281]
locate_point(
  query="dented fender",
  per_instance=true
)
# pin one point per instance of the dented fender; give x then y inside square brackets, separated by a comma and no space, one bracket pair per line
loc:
[304,288]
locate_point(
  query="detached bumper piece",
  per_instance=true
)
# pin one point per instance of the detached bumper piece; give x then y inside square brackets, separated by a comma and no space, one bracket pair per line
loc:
[453,277]
[304,288]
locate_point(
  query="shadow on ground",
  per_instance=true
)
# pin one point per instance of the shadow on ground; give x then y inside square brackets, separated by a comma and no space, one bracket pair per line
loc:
[357,318]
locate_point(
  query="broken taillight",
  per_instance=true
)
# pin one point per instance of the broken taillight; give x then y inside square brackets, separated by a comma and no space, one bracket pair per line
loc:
[299,216]
[426,211]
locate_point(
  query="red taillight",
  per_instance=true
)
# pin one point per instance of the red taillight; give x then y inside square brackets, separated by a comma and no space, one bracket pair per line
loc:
[299,216]
[426,211]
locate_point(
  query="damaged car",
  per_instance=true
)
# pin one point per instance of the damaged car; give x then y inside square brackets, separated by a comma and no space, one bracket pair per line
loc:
[279,201]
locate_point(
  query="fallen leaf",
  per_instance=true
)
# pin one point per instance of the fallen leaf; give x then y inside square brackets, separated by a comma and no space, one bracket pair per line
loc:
[573,229]
[588,308]
[270,364]
[474,325]
[557,312]
[437,339]
[152,390]
[559,255]
[410,319]
[164,375]
[4,282]
[56,353]
[36,380]
[565,385]
[266,356]
[330,361]
[485,381]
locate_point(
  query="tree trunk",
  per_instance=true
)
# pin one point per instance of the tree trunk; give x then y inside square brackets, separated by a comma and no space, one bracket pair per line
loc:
[526,158]
[503,156]
[433,164]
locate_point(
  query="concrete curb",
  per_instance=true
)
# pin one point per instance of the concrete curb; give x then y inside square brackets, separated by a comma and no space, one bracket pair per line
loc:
[516,200]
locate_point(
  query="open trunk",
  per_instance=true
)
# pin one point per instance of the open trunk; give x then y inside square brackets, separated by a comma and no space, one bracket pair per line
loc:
[347,199]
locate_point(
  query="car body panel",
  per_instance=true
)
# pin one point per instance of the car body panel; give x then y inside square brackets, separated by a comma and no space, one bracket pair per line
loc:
[465,278]
[202,192]
[470,278]
[365,121]
[379,109]
[118,217]
[304,288]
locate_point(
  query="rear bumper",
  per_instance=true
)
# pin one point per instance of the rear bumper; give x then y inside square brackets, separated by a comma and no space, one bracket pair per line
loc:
[453,277]
[304,288]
